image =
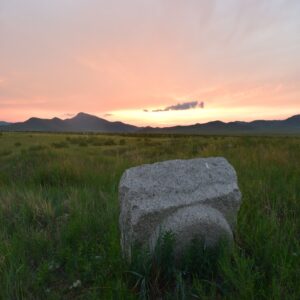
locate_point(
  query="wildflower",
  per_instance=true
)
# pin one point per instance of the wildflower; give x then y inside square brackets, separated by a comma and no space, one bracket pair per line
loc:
[76,284]
[53,266]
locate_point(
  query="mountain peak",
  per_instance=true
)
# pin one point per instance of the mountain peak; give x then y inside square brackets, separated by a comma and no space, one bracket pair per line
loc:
[56,119]
[83,114]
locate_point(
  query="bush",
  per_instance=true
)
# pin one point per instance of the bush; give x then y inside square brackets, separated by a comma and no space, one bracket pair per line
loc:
[80,141]
[109,142]
[83,144]
[36,148]
[5,152]
[95,141]
[59,145]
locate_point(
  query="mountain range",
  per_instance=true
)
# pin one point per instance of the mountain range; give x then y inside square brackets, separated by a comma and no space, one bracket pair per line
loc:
[83,122]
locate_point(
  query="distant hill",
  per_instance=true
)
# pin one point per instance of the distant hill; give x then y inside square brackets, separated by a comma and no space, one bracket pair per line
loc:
[83,122]
[288,126]
[2,123]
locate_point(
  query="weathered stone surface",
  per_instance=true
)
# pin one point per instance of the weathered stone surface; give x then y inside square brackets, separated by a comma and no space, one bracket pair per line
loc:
[192,198]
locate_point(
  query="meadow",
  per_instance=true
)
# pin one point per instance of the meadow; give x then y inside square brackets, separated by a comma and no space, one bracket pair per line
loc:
[59,210]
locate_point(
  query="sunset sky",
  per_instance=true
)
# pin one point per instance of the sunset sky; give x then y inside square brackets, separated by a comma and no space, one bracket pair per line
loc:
[150,62]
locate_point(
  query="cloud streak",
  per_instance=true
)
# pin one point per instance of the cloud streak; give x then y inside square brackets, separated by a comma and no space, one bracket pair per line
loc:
[180,106]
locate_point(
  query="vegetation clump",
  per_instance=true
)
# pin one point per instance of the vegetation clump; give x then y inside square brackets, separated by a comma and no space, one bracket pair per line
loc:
[160,274]
[59,145]
[109,142]
[122,142]
[5,152]
[34,148]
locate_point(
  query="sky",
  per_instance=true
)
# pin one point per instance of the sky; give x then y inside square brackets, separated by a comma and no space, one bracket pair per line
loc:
[150,62]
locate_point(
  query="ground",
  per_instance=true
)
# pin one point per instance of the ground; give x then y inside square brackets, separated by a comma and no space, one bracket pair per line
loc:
[59,236]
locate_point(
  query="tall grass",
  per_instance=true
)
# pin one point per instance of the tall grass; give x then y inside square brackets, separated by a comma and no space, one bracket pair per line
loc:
[59,236]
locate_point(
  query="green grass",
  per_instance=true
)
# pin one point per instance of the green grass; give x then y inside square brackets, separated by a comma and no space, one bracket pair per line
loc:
[59,236]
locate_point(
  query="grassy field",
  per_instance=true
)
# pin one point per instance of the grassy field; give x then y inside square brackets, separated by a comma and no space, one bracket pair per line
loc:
[59,210]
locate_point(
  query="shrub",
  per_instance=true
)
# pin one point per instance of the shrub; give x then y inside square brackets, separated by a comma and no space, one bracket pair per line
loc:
[59,145]
[36,147]
[109,142]
[122,142]
[83,144]
[95,141]
[18,144]
[80,141]
[5,152]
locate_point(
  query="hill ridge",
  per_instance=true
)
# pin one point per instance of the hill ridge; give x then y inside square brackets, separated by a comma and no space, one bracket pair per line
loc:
[83,122]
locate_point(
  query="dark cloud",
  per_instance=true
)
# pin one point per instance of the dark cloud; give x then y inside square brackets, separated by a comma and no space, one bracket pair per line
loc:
[181,106]
[108,115]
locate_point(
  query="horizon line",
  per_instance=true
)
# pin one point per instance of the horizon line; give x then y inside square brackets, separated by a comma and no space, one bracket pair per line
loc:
[94,115]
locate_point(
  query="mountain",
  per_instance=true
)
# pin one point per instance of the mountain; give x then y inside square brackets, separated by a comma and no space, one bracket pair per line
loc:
[86,122]
[288,126]
[83,122]
[2,123]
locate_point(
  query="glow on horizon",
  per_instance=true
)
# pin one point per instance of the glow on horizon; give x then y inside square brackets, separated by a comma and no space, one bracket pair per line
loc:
[116,58]
[172,118]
